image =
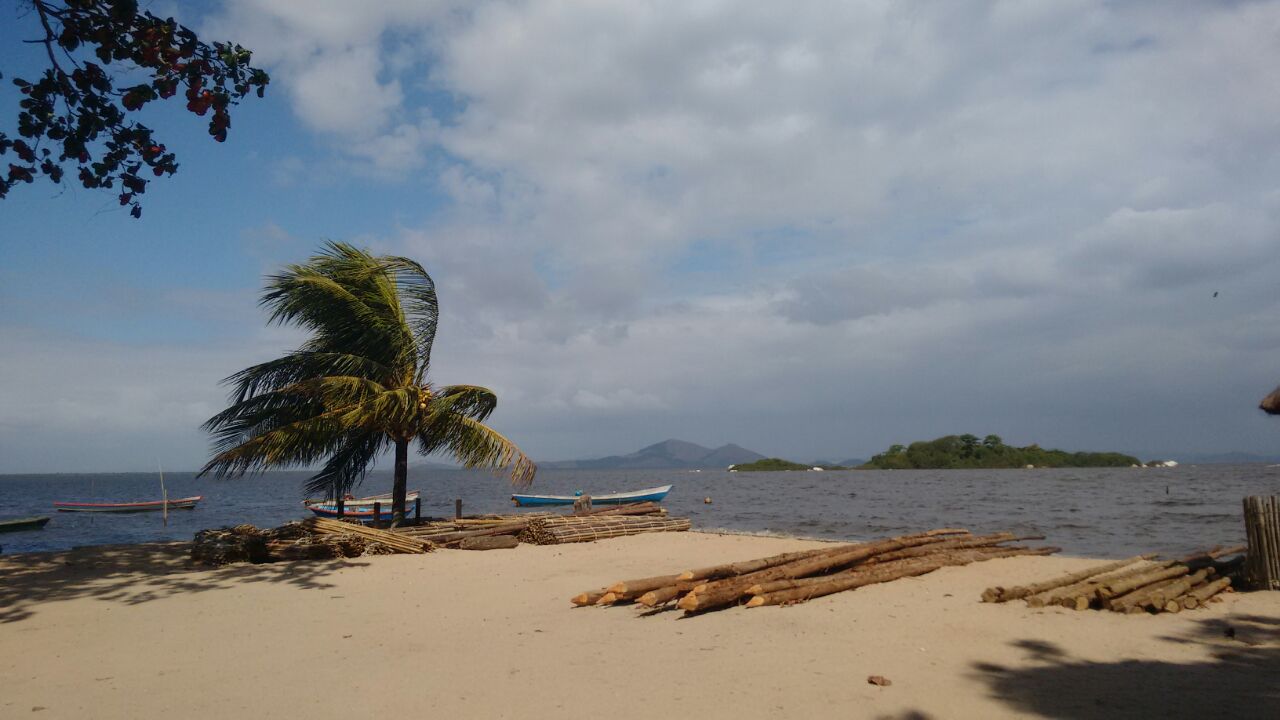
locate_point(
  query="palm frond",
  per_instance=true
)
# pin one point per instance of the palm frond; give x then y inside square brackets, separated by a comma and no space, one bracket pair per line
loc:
[421,304]
[295,367]
[475,445]
[348,466]
[472,401]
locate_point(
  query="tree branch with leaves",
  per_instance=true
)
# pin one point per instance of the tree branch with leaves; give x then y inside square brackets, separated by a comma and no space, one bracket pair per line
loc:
[107,61]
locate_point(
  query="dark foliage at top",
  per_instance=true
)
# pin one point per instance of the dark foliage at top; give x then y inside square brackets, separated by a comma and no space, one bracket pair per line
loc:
[107,60]
[967,451]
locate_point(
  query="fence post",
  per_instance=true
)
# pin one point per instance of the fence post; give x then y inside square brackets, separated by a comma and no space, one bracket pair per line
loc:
[417,510]
[377,513]
[457,509]
[342,508]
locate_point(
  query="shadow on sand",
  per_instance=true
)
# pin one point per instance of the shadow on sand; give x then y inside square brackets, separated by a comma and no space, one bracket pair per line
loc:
[1241,680]
[133,574]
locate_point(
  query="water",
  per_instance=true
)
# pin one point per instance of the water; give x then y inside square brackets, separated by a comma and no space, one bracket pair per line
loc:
[1100,512]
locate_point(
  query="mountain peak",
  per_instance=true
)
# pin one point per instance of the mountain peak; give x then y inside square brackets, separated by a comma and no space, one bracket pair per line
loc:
[666,455]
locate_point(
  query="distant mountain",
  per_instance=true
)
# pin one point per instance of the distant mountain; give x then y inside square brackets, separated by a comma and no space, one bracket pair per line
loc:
[1234,458]
[666,455]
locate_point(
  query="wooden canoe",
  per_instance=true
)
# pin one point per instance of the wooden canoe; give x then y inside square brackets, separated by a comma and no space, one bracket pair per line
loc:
[653,494]
[187,503]
[359,508]
[23,523]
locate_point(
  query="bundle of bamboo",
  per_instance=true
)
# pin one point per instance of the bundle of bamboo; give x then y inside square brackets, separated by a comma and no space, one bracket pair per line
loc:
[395,541]
[571,529]
[800,576]
[1138,584]
[464,531]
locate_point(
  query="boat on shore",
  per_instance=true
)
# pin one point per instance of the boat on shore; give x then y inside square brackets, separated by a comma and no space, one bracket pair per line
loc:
[653,494]
[18,524]
[359,508]
[186,503]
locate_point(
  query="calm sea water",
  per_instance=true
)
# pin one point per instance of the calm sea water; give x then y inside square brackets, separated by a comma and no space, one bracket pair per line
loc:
[1101,512]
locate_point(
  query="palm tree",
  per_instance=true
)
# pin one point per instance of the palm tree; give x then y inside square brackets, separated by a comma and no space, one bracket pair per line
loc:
[359,384]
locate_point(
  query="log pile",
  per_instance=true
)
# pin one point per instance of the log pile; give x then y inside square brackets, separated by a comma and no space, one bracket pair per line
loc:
[314,539]
[799,576]
[546,528]
[1137,585]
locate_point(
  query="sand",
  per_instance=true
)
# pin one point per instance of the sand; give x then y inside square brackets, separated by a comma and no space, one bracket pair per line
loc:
[132,632]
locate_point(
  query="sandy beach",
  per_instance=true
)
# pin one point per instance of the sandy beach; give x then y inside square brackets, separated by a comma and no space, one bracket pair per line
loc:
[134,632]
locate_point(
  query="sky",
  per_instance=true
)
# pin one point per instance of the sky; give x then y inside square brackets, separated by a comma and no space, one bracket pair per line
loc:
[814,229]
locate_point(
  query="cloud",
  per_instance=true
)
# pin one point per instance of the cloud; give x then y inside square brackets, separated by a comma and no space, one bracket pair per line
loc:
[820,229]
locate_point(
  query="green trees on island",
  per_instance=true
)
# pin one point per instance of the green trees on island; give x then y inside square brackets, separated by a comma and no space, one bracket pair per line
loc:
[358,386]
[966,451]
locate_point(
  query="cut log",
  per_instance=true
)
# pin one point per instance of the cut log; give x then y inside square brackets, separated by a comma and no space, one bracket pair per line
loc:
[664,595]
[587,598]
[716,572]
[1155,595]
[1203,593]
[1088,587]
[1120,587]
[1000,594]
[841,582]
[489,542]
[643,585]
[720,593]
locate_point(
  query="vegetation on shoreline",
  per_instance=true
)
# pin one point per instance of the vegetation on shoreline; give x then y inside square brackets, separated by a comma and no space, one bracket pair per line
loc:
[967,451]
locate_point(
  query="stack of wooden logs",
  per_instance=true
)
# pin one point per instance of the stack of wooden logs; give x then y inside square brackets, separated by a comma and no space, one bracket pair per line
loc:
[1136,585]
[314,539]
[798,576]
[498,531]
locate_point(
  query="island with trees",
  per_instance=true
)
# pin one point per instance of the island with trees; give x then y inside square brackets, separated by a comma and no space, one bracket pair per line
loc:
[967,451]
[778,464]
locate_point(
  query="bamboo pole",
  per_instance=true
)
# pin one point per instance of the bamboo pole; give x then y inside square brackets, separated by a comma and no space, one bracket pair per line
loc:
[1000,594]
[395,541]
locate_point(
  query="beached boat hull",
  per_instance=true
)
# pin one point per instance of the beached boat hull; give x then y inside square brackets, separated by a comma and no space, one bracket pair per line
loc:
[358,508]
[23,523]
[187,503]
[654,494]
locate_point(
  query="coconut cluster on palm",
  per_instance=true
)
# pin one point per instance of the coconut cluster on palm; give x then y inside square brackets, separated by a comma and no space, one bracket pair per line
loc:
[358,386]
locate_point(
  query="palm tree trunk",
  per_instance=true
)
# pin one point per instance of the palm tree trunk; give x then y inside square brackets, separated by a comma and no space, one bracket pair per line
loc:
[400,487]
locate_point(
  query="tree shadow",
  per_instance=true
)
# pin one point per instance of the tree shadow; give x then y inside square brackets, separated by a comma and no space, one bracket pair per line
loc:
[133,574]
[1239,681]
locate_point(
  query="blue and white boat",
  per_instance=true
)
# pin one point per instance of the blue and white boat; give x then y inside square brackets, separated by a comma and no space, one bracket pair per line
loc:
[653,494]
[359,508]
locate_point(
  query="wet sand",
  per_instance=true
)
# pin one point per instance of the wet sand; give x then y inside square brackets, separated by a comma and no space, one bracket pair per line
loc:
[134,631]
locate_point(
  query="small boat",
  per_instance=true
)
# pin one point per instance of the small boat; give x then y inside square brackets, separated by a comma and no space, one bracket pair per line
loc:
[23,523]
[653,494]
[358,508]
[187,503]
